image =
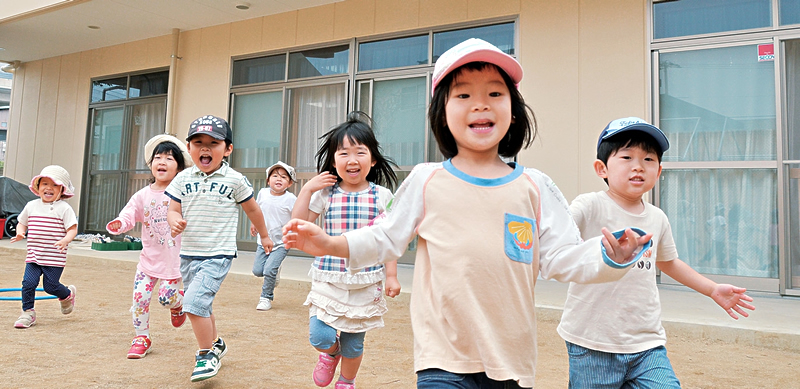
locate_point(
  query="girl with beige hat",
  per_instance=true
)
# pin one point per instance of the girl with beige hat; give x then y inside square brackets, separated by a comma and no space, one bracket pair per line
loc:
[159,260]
[49,224]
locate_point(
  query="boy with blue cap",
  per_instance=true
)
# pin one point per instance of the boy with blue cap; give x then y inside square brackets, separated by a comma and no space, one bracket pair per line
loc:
[613,330]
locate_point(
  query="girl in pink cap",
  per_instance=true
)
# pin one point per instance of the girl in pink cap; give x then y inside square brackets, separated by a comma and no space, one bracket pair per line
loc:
[159,259]
[487,229]
[49,224]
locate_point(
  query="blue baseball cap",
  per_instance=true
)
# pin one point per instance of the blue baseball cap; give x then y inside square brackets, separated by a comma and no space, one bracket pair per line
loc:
[635,124]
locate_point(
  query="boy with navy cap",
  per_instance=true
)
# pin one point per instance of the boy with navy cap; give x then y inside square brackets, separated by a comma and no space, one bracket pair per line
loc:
[204,208]
[613,330]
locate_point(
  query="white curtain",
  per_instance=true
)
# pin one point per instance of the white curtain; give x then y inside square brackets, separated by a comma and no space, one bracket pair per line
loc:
[312,112]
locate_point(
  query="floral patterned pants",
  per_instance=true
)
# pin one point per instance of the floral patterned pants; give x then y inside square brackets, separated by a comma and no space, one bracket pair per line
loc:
[169,295]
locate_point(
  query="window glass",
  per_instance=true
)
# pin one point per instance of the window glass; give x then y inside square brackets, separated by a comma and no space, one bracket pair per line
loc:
[792,74]
[398,112]
[147,120]
[111,89]
[143,85]
[724,220]
[393,53]
[693,17]
[313,111]
[257,124]
[789,11]
[717,105]
[500,35]
[107,139]
[319,62]
[262,69]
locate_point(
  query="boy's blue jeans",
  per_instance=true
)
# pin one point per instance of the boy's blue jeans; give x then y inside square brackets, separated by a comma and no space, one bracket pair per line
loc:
[441,379]
[649,369]
[267,265]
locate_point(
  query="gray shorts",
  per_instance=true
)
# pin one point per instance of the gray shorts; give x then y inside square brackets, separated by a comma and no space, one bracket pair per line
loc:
[201,280]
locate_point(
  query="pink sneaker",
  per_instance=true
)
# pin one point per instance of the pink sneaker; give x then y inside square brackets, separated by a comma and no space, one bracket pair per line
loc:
[323,372]
[344,385]
[177,316]
[68,303]
[139,347]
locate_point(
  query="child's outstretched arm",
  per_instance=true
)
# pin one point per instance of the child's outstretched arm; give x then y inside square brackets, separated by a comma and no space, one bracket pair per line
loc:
[253,212]
[21,230]
[127,218]
[319,182]
[175,218]
[731,298]
[307,236]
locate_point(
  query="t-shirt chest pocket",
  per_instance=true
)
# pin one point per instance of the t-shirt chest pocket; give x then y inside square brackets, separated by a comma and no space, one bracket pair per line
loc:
[518,237]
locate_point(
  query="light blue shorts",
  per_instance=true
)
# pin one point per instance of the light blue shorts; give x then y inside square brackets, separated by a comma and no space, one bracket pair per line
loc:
[201,280]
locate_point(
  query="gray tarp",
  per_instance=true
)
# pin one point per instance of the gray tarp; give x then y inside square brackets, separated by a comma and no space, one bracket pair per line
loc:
[13,197]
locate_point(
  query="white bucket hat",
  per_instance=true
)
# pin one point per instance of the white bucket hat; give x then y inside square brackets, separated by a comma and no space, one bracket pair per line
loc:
[59,175]
[286,167]
[161,138]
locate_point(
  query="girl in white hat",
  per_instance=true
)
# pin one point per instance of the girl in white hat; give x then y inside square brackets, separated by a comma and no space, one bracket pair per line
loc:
[159,260]
[50,224]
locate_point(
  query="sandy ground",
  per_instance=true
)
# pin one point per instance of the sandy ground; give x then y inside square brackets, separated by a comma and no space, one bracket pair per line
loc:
[270,349]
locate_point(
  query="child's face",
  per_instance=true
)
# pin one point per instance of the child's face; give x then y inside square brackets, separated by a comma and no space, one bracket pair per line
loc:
[478,110]
[279,181]
[631,172]
[353,162]
[164,168]
[207,152]
[48,190]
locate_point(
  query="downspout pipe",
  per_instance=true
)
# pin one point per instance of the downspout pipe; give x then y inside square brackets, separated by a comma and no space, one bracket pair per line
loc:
[173,68]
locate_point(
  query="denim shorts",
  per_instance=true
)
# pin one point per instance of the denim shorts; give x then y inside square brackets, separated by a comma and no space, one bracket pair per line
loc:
[441,379]
[201,281]
[322,337]
[649,369]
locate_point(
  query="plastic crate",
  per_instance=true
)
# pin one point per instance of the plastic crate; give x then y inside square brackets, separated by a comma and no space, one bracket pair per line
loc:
[134,245]
[110,246]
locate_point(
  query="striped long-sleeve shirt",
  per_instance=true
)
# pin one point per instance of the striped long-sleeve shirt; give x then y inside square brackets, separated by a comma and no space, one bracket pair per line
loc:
[47,224]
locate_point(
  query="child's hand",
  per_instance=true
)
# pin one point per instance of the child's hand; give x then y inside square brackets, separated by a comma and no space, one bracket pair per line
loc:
[177,227]
[320,181]
[303,235]
[622,250]
[266,242]
[732,298]
[392,286]
[62,244]
[17,238]
[253,231]
[114,226]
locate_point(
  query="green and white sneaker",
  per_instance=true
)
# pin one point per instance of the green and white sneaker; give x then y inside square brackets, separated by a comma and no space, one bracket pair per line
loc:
[207,365]
[219,347]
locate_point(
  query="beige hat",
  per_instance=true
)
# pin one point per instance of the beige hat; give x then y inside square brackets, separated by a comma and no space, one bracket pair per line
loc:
[286,167]
[161,138]
[59,175]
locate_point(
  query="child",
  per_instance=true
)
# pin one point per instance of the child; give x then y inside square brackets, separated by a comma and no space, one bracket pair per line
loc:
[159,260]
[50,224]
[203,208]
[624,344]
[349,195]
[487,230]
[276,204]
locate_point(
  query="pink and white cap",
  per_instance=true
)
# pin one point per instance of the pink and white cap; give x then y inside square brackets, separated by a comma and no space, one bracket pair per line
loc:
[59,175]
[475,50]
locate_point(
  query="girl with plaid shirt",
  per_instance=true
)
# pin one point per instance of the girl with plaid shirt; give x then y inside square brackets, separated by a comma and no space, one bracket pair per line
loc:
[348,194]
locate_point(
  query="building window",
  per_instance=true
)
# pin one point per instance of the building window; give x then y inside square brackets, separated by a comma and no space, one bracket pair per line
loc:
[393,53]
[258,70]
[319,62]
[120,88]
[789,11]
[694,17]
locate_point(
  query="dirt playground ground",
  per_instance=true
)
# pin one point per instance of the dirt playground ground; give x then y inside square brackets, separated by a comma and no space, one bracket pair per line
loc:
[270,349]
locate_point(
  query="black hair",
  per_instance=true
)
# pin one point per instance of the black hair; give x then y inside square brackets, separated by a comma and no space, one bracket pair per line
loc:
[610,146]
[358,130]
[521,132]
[168,148]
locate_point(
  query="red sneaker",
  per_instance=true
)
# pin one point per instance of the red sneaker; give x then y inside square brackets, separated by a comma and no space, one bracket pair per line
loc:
[326,367]
[177,317]
[139,347]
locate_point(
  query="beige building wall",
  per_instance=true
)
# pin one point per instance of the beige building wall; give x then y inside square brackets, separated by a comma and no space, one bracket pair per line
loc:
[584,61]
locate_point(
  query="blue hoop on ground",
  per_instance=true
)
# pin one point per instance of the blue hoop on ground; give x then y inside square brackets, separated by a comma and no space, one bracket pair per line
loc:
[4,298]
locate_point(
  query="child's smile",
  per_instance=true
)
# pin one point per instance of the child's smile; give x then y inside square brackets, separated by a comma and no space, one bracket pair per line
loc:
[207,152]
[353,162]
[48,190]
